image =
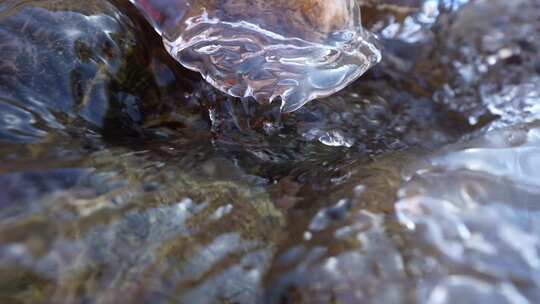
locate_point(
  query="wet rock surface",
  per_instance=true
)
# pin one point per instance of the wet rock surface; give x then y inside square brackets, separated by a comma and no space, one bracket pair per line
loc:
[450,204]
[127,178]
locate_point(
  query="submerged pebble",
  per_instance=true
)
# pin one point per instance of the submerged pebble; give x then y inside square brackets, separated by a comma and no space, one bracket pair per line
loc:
[475,218]
[65,64]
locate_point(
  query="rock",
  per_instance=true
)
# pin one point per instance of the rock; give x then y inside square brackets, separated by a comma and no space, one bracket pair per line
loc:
[64,64]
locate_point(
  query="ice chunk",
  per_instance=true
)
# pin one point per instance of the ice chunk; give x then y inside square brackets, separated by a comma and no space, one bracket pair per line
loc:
[295,51]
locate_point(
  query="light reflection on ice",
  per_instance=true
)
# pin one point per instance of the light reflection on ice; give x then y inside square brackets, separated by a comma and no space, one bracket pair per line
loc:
[274,49]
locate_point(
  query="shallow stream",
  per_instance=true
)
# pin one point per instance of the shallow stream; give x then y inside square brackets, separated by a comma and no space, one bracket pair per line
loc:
[128,179]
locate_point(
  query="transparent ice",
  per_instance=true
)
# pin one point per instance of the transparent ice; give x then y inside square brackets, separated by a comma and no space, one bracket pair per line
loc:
[294,51]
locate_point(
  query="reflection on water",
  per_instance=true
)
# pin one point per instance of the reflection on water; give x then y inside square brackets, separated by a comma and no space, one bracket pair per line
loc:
[138,231]
[59,64]
[127,178]
[475,216]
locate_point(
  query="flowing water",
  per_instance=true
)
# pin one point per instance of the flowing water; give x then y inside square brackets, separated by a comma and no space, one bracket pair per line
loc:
[129,179]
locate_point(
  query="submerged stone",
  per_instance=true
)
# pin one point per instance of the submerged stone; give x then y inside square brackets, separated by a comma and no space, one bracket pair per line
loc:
[474,215]
[63,64]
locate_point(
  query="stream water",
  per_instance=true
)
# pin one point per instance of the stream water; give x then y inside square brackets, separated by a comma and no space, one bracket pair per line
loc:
[129,179]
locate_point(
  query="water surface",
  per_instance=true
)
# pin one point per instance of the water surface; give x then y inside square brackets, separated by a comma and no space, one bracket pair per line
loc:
[130,179]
